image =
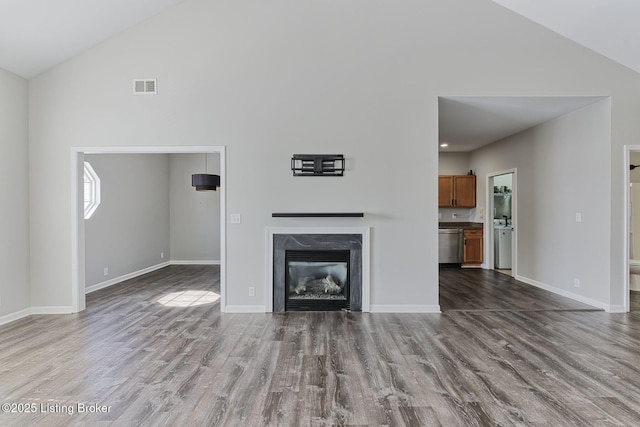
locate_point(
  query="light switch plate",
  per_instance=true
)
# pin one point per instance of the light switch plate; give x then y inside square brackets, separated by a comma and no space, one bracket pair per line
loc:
[236,219]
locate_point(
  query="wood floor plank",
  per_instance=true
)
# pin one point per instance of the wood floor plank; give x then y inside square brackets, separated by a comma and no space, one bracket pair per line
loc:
[501,353]
[477,289]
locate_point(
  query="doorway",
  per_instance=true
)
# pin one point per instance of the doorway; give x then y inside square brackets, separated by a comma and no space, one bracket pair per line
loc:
[632,232]
[77,196]
[501,247]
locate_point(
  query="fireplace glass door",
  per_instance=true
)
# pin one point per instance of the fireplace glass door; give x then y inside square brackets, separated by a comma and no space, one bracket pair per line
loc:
[317,280]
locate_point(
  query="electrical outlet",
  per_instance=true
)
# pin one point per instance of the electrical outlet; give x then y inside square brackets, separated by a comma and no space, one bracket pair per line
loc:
[481,212]
[252,291]
[576,283]
[106,271]
[454,215]
[439,215]
[161,254]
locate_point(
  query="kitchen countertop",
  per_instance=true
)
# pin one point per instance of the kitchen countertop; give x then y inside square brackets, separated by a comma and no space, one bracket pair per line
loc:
[463,225]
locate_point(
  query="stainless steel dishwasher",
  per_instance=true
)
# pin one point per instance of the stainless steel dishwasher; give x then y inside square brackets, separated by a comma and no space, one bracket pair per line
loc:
[450,246]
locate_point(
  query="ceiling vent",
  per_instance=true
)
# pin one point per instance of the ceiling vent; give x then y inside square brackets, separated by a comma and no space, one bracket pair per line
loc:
[145,86]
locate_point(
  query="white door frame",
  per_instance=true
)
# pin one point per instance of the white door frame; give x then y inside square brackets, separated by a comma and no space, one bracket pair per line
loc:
[78,301]
[626,223]
[489,243]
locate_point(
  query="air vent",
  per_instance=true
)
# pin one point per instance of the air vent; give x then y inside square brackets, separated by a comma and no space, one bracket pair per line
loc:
[145,86]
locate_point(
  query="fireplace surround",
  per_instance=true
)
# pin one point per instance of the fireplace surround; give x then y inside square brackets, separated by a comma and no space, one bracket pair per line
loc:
[317,269]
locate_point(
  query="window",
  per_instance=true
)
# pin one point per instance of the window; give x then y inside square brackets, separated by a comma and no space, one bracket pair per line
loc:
[91,191]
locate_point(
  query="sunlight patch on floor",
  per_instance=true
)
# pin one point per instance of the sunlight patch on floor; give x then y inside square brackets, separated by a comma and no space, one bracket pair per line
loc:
[189,298]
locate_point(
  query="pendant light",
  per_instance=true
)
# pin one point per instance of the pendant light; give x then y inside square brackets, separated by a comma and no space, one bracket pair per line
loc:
[205,181]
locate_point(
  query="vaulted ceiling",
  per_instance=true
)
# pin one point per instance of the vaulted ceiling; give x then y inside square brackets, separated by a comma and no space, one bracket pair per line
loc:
[608,27]
[36,35]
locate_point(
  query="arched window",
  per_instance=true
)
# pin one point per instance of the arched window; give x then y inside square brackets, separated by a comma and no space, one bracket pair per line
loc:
[91,191]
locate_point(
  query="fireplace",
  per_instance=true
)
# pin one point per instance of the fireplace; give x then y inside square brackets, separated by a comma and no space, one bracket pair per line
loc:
[316,280]
[317,272]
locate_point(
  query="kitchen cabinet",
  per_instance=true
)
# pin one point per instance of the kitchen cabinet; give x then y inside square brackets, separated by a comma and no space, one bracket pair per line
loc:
[472,248]
[456,191]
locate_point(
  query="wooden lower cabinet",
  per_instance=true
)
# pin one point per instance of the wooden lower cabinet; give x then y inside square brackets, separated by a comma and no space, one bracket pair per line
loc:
[473,247]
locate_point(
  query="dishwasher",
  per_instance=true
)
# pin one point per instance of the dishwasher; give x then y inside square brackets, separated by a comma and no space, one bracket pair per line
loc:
[450,246]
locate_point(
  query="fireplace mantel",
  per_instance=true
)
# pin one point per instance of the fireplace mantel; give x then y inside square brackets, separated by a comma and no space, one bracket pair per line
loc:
[317,215]
[362,232]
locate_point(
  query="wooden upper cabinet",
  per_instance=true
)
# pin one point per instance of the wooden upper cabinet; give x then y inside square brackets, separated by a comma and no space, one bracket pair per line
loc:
[445,191]
[457,191]
[464,189]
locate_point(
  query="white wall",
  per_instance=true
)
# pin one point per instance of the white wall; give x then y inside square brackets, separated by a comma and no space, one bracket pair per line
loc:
[194,216]
[14,195]
[505,180]
[563,167]
[130,229]
[453,163]
[270,79]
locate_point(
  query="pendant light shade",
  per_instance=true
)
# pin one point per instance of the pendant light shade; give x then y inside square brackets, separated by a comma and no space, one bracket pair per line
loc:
[205,181]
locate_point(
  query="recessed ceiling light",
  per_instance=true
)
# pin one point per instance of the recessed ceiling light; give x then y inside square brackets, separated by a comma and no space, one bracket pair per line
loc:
[444,144]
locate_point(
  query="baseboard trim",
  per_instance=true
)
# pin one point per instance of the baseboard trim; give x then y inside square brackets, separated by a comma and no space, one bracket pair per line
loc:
[12,317]
[194,262]
[408,308]
[116,280]
[245,309]
[564,293]
[615,309]
[52,310]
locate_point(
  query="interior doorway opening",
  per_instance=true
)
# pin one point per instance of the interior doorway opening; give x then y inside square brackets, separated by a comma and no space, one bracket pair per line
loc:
[632,233]
[77,205]
[501,222]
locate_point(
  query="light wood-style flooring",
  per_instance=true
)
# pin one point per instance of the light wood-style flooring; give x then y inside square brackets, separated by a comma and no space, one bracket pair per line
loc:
[177,363]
